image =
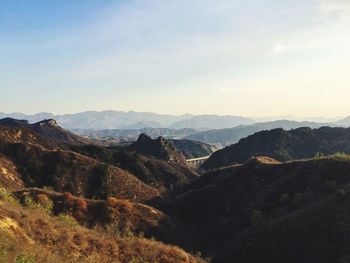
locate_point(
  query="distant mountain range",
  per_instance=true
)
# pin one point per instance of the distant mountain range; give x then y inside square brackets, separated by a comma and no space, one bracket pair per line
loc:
[118,127]
[233,135]
[134,120]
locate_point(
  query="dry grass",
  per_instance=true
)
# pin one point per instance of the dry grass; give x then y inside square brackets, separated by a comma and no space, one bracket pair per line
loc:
[33,234]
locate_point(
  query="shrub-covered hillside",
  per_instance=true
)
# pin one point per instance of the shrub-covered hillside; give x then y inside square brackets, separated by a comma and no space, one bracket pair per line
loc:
[283,145]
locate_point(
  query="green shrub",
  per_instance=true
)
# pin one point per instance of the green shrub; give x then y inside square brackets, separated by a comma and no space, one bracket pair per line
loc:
[341,156]
[68,219]
[42,202]
[3,255]
[319,155]
[23,258]
[4,195]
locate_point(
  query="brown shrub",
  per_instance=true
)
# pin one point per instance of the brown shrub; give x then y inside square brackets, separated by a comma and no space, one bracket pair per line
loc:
[122,204]
[68,198]
[42,198]
[81,204]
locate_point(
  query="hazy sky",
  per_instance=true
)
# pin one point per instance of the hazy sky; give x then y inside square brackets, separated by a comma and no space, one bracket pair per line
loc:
[239,57]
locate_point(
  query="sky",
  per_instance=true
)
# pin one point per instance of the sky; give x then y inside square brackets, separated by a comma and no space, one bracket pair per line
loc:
[226,57]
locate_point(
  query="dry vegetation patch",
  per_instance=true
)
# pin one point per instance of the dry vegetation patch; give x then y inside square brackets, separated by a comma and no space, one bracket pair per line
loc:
[35,235]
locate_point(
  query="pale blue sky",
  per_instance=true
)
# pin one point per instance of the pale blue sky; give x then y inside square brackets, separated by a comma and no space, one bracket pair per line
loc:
[251,57]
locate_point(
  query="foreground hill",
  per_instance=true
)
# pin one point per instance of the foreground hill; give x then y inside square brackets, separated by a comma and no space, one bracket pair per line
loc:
[270,211]
[112,215]
[283,145]
[233,135]
[31,233]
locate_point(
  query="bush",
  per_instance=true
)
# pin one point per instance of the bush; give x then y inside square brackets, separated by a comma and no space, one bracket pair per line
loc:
[68,198]
[120,204]
[81,204]
[23,258]
[45,202]
[68,219]
[3,255]
[319,155]
[341,156]
[122,228]
[4,195]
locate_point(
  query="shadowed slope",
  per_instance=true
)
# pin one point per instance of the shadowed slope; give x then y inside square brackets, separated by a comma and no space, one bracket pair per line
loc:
[281,212]
[283,145]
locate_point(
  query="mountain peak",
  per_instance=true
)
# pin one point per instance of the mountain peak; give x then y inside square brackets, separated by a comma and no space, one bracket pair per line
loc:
[143,137]
[50,122]
[160,148]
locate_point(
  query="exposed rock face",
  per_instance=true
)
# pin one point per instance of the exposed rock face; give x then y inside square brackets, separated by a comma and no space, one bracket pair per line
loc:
[51,130]
[9,177]
[160,148]
[49,122]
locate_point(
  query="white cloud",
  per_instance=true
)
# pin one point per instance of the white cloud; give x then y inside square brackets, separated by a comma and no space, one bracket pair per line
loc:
[334,9]
[280,48]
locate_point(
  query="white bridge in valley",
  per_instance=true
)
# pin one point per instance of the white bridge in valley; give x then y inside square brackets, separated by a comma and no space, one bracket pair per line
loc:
[196,162]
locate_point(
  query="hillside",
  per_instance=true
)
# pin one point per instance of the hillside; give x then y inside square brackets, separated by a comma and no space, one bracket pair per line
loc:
[230,136]
[158,173]
[112,215]
[159,148]
[278,212]
[47,129]
[37,161]
[283,145]
[30,233]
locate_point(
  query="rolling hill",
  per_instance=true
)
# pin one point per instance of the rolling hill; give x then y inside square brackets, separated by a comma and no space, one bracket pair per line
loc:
[267,211]
[283,145]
